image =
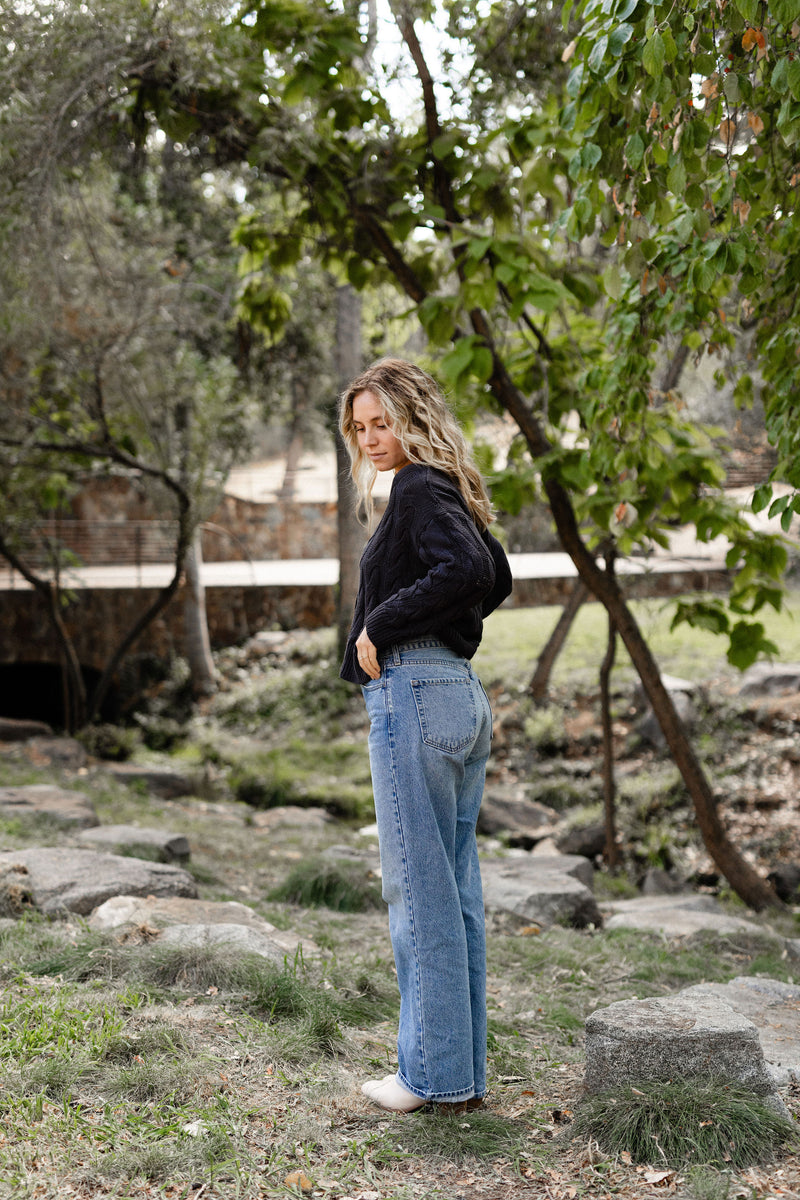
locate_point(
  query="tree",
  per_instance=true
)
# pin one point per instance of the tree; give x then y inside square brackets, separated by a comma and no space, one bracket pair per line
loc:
[101,371]
[455,215]
[485,218]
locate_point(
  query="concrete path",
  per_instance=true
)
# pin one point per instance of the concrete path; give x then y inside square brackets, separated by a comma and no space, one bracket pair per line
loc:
[324,572]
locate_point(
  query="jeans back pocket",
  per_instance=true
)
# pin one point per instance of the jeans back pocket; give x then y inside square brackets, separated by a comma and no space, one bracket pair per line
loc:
[448,719]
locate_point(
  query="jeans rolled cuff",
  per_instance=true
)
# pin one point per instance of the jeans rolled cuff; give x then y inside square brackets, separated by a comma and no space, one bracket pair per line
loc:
[436,1097]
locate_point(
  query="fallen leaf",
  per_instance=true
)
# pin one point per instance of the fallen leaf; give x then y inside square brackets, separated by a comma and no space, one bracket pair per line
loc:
[301,1180]
[709,86]
[658,1177]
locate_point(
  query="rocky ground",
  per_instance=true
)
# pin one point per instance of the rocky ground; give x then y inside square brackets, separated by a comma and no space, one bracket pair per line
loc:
[273,777]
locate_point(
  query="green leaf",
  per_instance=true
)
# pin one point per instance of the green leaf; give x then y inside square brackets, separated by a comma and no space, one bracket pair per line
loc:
[779,81]
[612,282]
[634,151]
[748,9]
[598,53]
[793,78]
[655,55]
[676,179]
[731,88]
[785,12]
[619,37]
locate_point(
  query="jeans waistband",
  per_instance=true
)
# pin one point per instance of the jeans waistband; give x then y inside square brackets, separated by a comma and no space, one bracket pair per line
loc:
[435,647]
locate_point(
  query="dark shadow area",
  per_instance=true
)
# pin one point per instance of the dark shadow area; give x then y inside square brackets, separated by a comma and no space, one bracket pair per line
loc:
[34,691]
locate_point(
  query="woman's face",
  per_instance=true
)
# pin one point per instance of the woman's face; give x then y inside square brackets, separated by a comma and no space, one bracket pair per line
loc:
[375,438]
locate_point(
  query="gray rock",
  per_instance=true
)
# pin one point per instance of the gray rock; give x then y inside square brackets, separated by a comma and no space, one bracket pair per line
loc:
[679,916]
[45,800]
[770,679]
[290,816]
[19,731]
[133,915]
[785,878]
[77,881]
[674,685]
[649,729]
[160,781]
[128,839]
[241,938]
[793,949]
[541,889]
[774,1009]
[525,821]
[676,1037]
[587,840]
[64,752]
[658,882]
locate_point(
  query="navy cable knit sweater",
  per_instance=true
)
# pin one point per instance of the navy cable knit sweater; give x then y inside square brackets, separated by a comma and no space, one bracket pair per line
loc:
[426,570]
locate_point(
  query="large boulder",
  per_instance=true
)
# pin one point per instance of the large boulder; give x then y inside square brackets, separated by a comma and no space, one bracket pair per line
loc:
[774,1009]
[138,842]
[679,916]
[525,822]
[62,807]
[63,880]
[688,1036]
[12,730]
[241,938]
[159,781]
[770,679]
[208,921]
[544,890]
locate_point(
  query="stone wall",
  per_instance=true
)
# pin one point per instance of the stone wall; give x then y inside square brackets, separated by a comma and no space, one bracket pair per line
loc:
[117,524]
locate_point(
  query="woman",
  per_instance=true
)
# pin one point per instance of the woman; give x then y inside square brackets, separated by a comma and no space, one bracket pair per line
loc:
[429,574]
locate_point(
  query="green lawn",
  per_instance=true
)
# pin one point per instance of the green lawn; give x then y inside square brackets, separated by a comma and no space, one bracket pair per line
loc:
[513,639]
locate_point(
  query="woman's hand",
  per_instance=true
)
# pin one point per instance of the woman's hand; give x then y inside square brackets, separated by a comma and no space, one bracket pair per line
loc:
[367,655]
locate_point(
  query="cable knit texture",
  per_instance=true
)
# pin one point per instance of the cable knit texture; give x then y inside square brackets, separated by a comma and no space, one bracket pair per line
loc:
[427,569]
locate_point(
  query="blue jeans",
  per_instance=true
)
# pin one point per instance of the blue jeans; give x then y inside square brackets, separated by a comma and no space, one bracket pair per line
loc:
[430,735]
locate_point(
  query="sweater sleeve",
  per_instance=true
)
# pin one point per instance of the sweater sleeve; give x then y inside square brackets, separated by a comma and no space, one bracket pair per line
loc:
[457,571]
[502,575]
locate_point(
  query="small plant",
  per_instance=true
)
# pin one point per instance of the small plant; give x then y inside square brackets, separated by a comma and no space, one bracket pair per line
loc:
[160,732]
[545,730]
[333,885]
[682,1122]
[113,743]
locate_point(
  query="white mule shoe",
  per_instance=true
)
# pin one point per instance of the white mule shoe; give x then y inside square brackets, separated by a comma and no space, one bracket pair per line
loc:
[389,1094]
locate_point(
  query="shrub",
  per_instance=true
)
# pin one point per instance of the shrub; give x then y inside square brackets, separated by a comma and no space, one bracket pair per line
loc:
[685,1121]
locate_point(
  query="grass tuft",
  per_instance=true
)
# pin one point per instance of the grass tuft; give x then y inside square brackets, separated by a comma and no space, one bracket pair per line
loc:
[338,886]
[455,1138]
[685,1122]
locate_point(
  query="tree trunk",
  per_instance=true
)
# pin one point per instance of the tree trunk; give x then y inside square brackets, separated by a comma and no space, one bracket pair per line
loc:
[350,533]
[611,852]
[184,541]
[294,450]
[540,680]
[742,877]
[197,644]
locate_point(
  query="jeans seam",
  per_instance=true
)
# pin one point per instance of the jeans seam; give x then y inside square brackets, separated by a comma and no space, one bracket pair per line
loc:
[406,882]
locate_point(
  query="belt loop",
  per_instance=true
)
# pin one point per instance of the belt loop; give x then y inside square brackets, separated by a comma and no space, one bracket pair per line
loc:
[396,660]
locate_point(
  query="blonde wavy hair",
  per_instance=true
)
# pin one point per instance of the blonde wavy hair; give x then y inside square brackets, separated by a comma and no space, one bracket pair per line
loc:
[418,416]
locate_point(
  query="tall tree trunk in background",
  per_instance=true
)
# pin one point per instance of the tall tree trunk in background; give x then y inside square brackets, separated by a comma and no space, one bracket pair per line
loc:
[540,680]
[350,532]
[294,451]
[197,645]
[611,852]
